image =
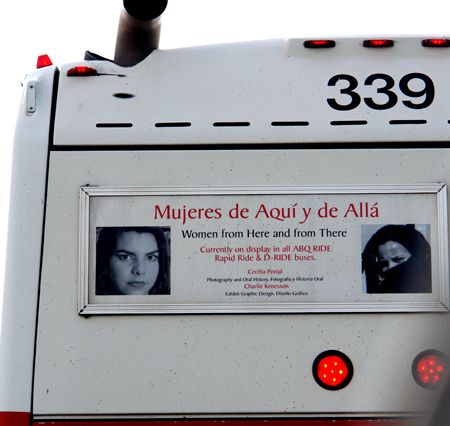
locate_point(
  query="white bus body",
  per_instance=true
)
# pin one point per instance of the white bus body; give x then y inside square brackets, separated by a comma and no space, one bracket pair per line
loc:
[269,116]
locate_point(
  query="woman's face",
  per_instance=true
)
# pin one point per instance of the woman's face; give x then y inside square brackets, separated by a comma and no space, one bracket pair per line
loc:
[391,254]
[134,264]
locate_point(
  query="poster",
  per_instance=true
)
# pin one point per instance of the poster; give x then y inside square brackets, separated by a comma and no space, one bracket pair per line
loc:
[379,248]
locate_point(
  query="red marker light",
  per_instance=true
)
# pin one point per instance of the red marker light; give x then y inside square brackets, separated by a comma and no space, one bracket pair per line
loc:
[430,369]
[82,72]
[43,61]
[436,42]
[333,370]
[318,44]
[378,43]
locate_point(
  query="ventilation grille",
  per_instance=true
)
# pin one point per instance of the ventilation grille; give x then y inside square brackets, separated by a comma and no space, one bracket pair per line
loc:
[172,124]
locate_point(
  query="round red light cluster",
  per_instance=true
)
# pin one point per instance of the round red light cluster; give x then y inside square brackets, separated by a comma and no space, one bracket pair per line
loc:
[333,370]
[430,369]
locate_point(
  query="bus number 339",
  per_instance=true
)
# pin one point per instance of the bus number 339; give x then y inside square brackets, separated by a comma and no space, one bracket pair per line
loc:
[390,97]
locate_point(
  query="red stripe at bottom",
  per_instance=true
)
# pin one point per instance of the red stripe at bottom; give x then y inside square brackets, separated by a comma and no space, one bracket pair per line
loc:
[11,418]
[297,422]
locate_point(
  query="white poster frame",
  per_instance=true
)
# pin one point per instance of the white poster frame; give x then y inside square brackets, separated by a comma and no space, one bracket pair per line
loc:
[86,306]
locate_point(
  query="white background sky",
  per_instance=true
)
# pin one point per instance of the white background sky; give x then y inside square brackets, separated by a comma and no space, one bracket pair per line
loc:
[64,30]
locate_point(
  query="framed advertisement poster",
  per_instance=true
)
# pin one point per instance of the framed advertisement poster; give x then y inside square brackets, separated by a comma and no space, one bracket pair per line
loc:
[262,249]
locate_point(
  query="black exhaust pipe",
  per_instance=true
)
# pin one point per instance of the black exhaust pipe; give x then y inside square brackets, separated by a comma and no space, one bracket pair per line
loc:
[139,30]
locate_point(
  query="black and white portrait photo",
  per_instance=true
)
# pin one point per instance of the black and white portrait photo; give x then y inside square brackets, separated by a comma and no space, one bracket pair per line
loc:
[132,261]
[396,259]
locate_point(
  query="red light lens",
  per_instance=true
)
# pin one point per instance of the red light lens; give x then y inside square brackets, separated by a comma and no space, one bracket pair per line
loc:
[82,72]
[436,42]
[426,368]
[430,369]
[43,61]
[378,43]
[332,370]
[319,43]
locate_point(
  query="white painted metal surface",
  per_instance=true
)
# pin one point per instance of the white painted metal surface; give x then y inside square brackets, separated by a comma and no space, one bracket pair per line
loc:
[255,83]
[26,221]
[220,364]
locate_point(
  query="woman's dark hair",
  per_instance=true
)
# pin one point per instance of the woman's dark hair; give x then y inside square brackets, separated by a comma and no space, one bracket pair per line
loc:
[420,263]
[106,244]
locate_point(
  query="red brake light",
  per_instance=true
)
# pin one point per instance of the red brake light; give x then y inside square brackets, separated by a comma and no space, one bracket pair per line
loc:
[82,72]
[43,61]
[333,370]
[436,42]
[430,369]
[378,43]
[319,43]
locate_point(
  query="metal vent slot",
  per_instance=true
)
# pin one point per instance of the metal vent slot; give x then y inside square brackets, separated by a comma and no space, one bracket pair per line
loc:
[349,123]
[289,123]
[408,122]
[113,125]
[174,124]
[273,123]
[231,124]
[123,95]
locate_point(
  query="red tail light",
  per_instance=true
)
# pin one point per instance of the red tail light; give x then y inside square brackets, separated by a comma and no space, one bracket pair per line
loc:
[82,72]
[317,44]
[430,369]
[43,61]
[333,370]
[378,43]
[436,42]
